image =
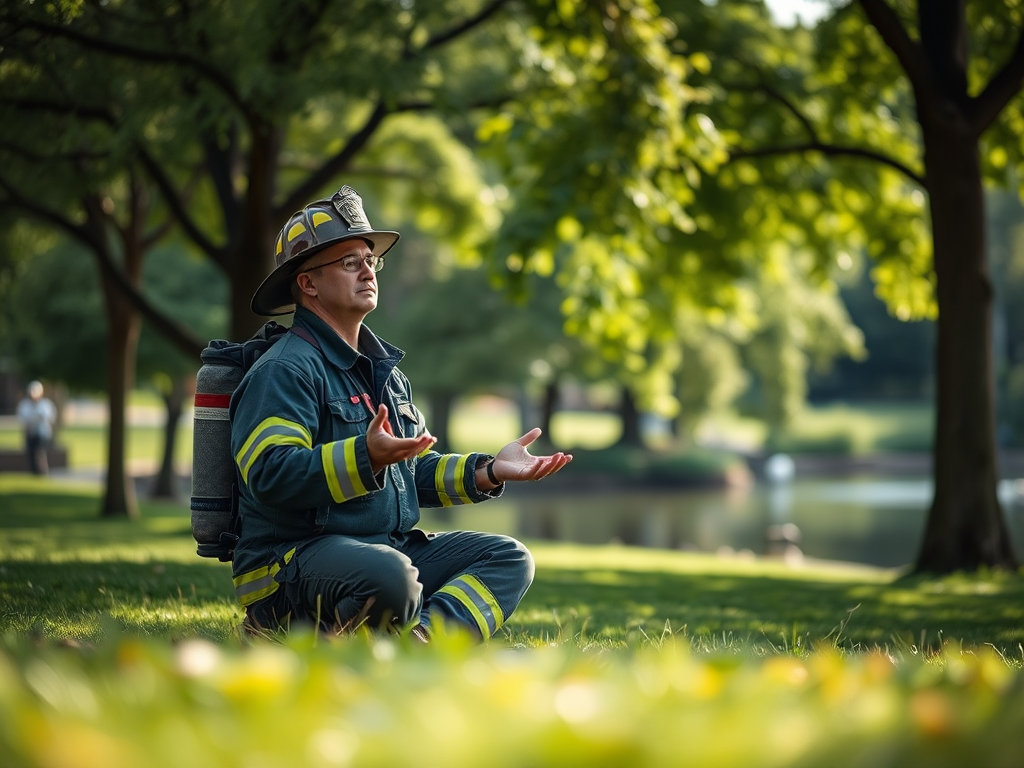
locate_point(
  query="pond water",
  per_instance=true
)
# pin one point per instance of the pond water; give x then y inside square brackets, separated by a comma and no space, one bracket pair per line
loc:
[876,521]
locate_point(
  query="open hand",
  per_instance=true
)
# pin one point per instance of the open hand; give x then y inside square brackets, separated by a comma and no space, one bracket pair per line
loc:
[514,462]
[384,448]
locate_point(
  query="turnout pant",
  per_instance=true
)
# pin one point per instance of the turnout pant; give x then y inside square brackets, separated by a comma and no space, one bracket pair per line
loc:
[473,579]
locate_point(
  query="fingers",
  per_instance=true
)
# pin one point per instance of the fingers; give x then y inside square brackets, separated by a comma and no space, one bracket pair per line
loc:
[529,437]
[548,465]
[532,467]
[380,419]
[385,448]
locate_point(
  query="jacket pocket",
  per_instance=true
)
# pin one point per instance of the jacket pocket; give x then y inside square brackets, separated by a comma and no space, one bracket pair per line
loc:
[350,412]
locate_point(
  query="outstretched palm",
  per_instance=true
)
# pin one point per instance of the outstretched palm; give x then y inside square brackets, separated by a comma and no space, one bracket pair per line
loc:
[514,462]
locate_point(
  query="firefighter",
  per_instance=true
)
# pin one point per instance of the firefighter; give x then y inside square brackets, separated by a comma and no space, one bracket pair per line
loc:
[335,461]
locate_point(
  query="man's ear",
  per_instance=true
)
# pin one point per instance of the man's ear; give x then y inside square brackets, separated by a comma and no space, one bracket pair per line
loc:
[305,284]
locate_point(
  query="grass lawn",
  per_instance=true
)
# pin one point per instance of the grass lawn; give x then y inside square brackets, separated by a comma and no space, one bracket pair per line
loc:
[118,647]
[64,572]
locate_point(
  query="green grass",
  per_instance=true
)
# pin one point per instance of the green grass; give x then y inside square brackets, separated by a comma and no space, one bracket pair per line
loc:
[118,648]
[64,572]
[859,429]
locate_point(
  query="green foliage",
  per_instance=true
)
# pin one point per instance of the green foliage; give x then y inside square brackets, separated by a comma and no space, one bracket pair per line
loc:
[691,466]
[57,317]
[190,289]
[622,184]
[800,325]
[368,702]
[859,430]
[57,321]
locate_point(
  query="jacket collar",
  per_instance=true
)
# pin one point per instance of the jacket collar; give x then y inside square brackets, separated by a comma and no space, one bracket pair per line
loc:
[336,349]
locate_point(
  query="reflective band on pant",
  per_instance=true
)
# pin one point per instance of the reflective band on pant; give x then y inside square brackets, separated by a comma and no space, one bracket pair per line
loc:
[258,584]
[478,600]
[270,432]
[450,480]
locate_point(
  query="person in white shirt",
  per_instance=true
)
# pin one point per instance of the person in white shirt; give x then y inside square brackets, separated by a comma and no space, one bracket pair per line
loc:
[37,415]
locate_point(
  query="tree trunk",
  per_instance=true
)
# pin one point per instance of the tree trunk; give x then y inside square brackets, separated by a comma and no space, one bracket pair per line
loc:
[253,259]
[122,340]
[441,404]
[630,416]
[965,528]
[165,484]
[548,408]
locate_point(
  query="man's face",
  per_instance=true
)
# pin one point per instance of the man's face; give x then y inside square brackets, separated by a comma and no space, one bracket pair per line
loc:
[342,293]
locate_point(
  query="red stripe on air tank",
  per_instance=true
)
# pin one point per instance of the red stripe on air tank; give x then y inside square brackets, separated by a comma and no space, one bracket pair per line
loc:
[212,401]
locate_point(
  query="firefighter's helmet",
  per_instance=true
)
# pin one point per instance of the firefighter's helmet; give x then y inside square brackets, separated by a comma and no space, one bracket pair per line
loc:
[320,224]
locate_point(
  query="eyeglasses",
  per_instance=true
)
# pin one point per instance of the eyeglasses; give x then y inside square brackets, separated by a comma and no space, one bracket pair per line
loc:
[353,263]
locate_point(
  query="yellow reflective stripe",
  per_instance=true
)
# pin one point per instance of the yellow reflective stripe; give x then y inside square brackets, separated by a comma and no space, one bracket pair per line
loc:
[271,431]
[478,600]
[424,452]
[439,480]
[450,480]
[341,469]
[458,479]
[258,584]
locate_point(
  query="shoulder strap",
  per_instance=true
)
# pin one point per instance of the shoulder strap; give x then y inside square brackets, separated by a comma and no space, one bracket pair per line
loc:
[305,335]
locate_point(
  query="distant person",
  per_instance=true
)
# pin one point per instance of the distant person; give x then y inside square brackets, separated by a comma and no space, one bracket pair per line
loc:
[335,461]
[37,415]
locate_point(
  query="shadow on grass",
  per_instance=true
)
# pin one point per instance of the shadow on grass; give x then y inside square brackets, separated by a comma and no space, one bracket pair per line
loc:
[66,572]
[78,599]
[63,569]
[776,612]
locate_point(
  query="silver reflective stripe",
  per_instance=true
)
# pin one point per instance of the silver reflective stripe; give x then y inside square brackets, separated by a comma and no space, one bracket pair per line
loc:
[341,469]
[478,600]
[261,438]
[449,480]
[211,414]
[254,586]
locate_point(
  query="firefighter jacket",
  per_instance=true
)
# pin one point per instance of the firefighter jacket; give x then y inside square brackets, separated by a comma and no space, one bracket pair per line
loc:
[298,436]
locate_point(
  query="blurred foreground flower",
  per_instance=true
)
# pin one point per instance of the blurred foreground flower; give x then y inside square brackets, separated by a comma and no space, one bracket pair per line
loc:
[367,701]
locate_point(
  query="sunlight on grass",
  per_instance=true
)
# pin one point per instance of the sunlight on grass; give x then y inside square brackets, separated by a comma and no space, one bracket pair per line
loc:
[363,701]
[119,647]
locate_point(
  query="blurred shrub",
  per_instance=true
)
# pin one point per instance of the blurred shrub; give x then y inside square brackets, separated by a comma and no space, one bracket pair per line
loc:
[689,466]
[385,702]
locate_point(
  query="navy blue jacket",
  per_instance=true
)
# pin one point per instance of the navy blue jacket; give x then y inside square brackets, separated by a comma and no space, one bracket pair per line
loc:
[298,435]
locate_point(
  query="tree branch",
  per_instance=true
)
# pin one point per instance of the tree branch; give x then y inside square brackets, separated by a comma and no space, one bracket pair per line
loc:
[62,108]
[334,165]
[908,53]
[775,93]
[831,150]
[76,231]
[459,29]
[38,157]
[163,228]
[1006,84]
[177,206]
[180,337]
[122,50]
